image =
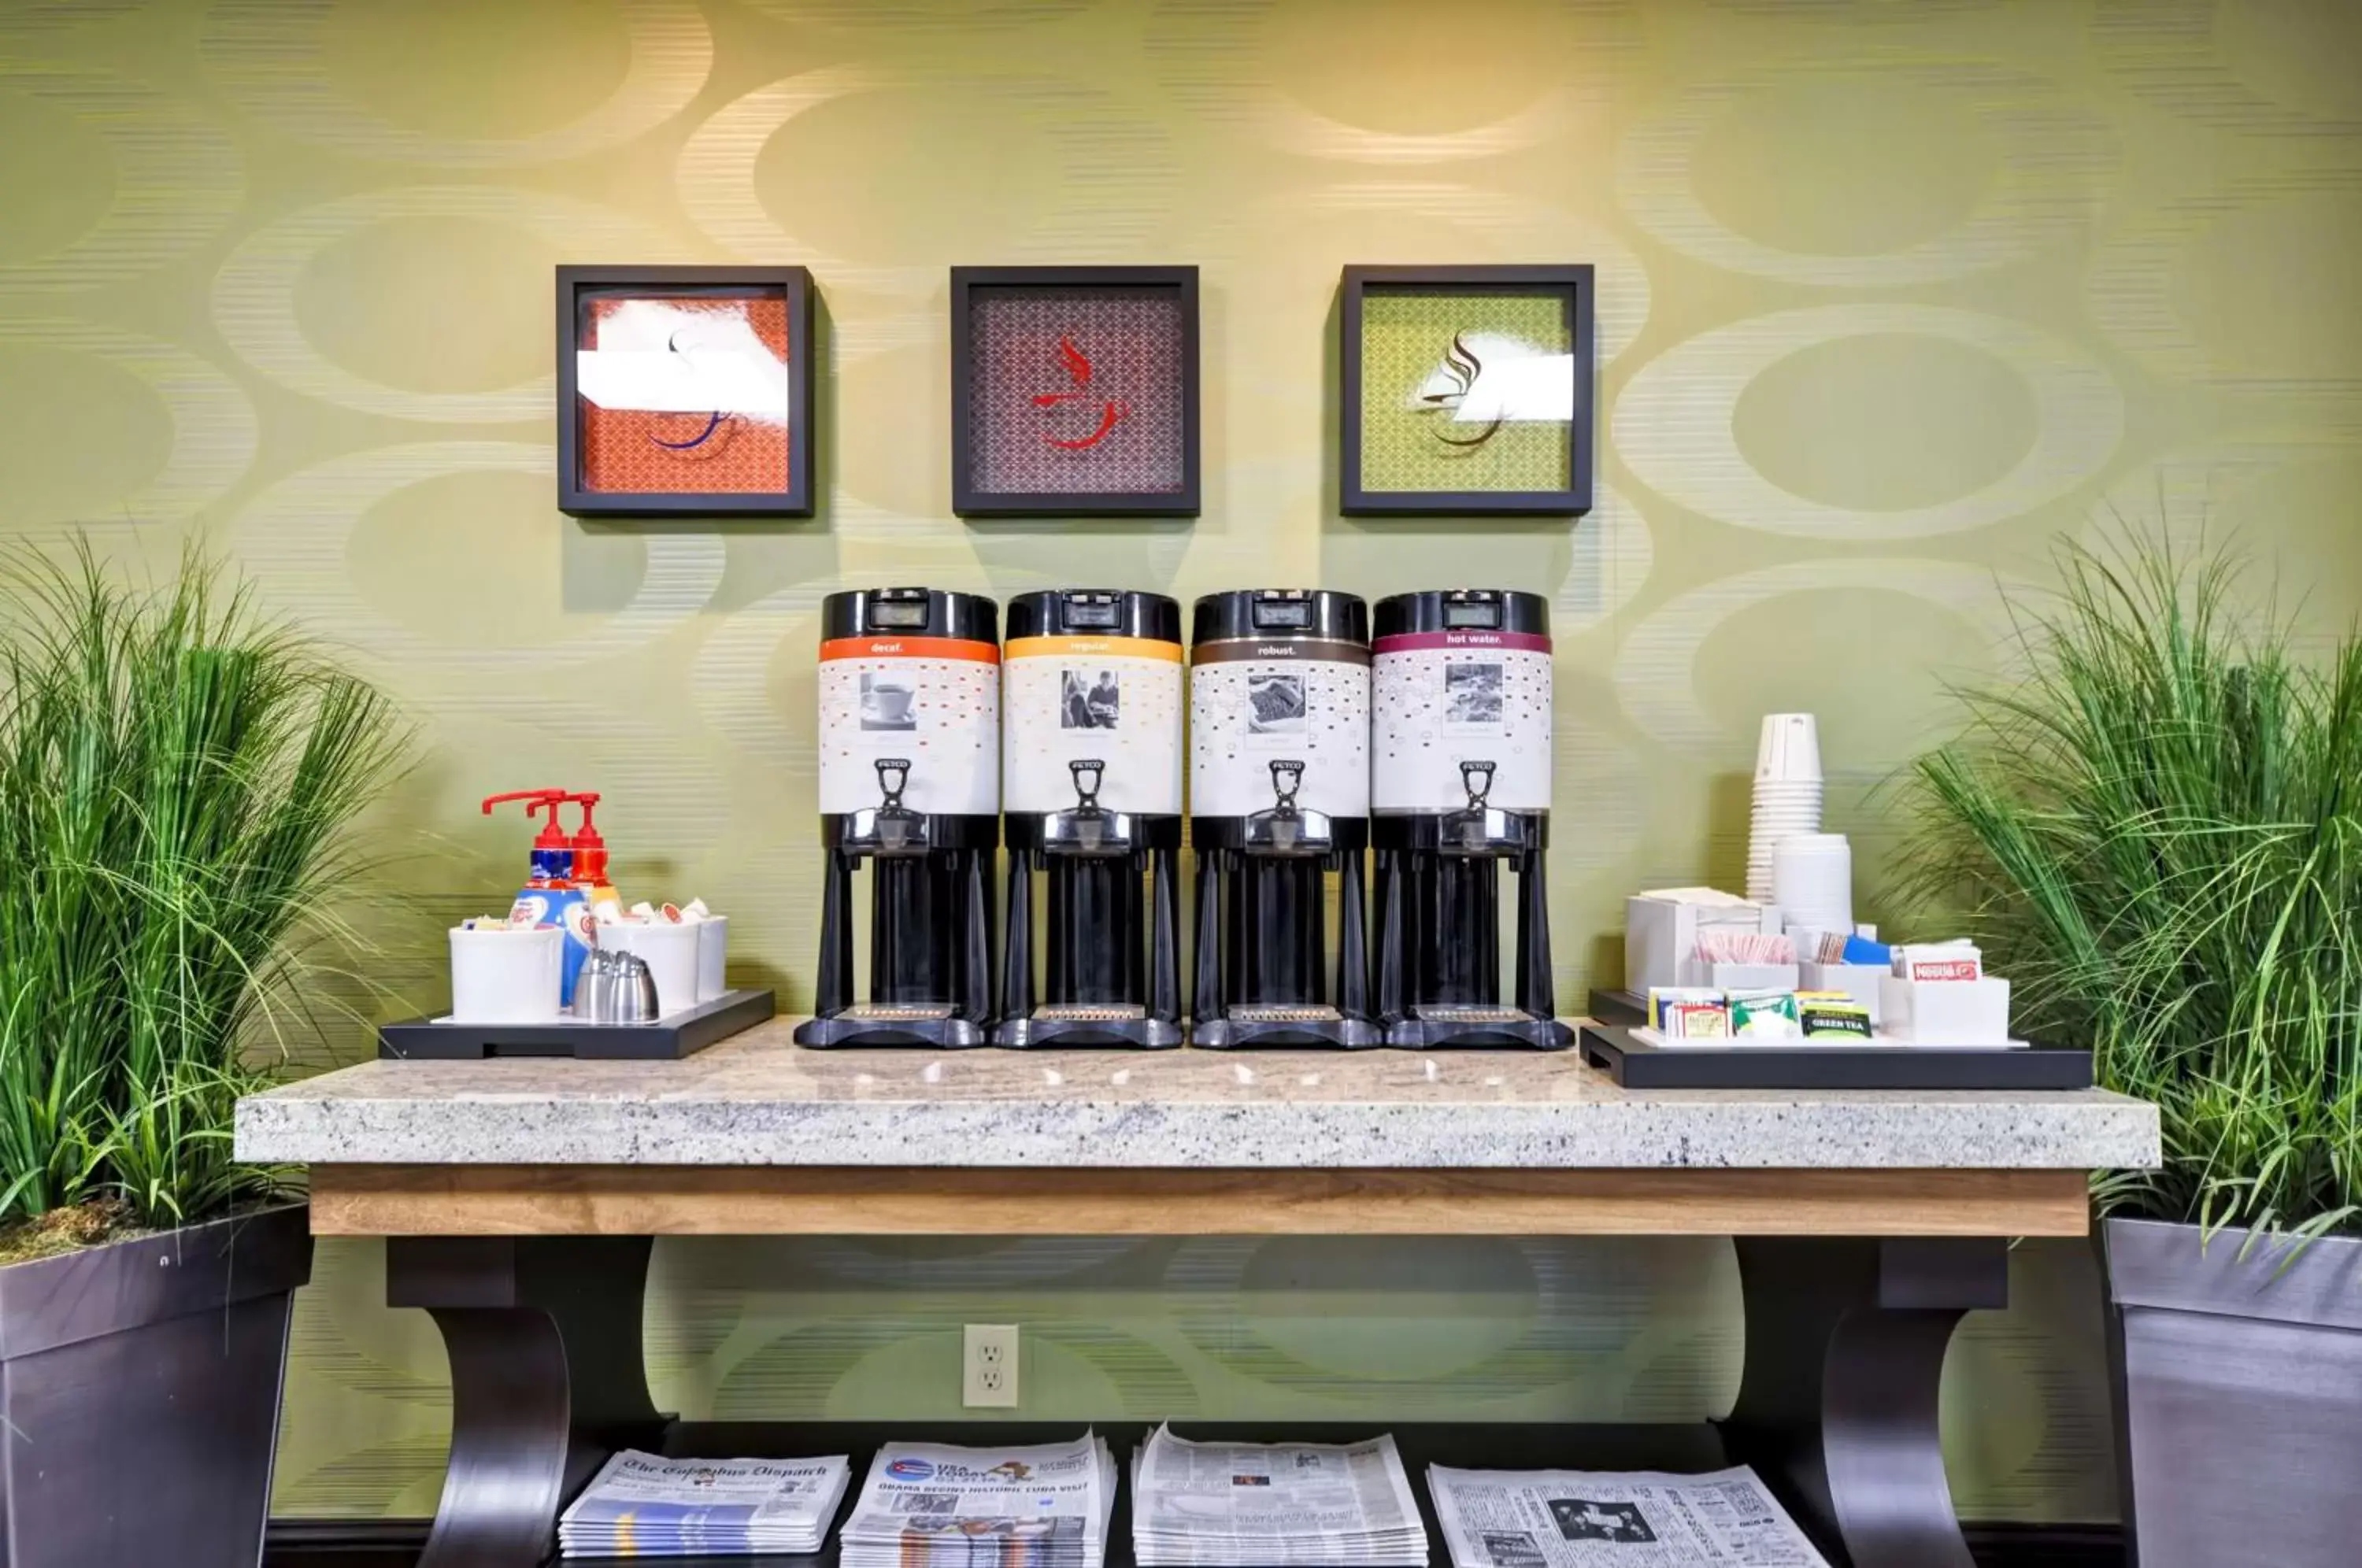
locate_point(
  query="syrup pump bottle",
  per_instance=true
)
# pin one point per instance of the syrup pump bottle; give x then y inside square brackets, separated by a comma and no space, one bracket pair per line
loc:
[550,895]
[590,846]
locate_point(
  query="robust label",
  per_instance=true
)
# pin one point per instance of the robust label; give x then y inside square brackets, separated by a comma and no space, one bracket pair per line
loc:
[1254,702]
[1112,700]
[1441,699]
[931,702]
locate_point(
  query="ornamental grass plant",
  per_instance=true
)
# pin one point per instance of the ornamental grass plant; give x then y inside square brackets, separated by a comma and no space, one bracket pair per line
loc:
[2155,830]
[178,775]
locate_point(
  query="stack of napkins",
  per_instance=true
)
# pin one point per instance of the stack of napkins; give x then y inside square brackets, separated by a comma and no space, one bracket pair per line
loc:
[644,1505]
[934,1506]
[1242,1505]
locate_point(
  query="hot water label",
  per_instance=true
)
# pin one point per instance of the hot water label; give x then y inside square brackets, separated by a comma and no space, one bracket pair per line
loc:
[1444,698]
[1112,700]
[931,702]
[1255,701]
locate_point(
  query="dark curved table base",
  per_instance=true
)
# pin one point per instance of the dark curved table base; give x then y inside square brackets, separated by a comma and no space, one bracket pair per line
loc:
[1837,1407]
[1835,1410]
[547,1379]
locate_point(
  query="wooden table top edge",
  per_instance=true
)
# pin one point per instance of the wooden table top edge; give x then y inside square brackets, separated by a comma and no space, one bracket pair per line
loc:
[592,1200]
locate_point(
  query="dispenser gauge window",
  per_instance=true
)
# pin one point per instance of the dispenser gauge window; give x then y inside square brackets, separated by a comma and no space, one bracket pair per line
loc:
[888,616]
[1088,616]
[1284,616]
[1477,617]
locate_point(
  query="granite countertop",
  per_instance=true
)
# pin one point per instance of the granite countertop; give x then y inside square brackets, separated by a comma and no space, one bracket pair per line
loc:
[759,1100]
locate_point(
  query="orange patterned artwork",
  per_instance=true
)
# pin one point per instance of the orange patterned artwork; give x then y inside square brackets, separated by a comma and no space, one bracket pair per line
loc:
[683,393]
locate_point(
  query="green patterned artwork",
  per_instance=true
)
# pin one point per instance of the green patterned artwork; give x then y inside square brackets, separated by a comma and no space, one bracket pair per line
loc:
[1465,389]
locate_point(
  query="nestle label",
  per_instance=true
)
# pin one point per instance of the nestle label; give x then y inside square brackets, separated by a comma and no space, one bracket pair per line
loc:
[1946,969]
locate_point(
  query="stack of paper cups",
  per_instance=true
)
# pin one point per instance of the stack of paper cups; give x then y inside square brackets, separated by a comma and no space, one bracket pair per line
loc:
[1787,794]
[1812,882]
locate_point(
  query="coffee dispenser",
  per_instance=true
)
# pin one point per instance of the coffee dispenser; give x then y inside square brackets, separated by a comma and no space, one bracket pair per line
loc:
[1279,787]
[1460,786]
[1091,783]
[910,783]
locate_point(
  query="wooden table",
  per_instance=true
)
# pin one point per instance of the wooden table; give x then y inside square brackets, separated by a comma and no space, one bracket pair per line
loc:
[519,1199]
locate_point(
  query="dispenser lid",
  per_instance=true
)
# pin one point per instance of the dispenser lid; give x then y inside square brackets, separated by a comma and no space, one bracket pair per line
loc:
[1095,613]
[909,612]
[1263,614]
[1461,610]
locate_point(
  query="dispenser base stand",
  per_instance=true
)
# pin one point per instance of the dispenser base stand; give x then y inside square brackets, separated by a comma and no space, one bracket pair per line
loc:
[1477,1028]
[851,1030]
[1235,1033]
[1152,1033]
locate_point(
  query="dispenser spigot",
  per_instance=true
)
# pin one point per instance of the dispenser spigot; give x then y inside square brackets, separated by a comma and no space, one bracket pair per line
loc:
[1286,778]
[1476,778]
[893,778]
[1087,773]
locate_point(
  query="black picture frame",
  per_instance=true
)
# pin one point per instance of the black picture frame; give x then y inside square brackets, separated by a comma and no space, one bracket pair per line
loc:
[795,284]
[1575,281]
[970,500]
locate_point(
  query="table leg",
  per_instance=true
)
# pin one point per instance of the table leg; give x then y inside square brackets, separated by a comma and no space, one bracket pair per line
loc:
[1837,1407]
[547,1379]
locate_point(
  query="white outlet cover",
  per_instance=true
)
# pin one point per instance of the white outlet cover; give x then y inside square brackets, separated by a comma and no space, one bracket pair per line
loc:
[989,1366]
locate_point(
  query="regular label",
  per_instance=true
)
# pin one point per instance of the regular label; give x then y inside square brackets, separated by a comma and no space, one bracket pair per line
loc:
[934,702]
[1444,698]
[1112,700]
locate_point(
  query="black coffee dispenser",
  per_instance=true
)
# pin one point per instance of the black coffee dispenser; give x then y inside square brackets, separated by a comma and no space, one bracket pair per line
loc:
[1279,781]
[1460,786]
[1091,785]
[910,781]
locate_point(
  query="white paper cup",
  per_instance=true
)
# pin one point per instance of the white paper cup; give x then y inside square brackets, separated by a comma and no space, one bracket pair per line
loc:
[1790,747]
[1811,880]
[712,956]
[505,974]
[672,953]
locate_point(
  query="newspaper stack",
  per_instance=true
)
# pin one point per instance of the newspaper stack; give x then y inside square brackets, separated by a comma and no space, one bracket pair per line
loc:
[933,1506]
[642,1505]
[1209,1505]
[1573,1519]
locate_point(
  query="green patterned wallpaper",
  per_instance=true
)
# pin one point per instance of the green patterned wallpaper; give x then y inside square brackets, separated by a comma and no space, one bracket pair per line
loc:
[1891,294]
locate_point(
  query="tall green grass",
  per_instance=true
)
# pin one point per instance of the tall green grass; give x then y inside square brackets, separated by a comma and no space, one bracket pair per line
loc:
[177,777]
[2156,832]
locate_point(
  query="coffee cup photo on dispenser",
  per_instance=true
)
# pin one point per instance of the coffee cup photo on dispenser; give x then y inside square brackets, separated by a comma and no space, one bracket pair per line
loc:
[910,786]
[1279,800]
[1092,786]
[1460,746]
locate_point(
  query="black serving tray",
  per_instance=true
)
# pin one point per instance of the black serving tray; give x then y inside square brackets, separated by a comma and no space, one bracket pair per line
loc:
[662,1039]
[1628,1010]
[1810,1064]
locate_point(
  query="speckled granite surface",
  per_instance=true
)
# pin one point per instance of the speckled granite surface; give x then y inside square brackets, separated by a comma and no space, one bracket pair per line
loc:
[759,1100]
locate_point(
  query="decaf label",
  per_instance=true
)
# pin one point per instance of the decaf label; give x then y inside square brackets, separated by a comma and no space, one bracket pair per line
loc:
[1445,698]
[934,702]
[1246,714]
[1110,700]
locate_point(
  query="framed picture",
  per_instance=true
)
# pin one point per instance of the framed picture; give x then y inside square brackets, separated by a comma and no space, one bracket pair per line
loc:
[1075,391]
[1466,390]
[684,391]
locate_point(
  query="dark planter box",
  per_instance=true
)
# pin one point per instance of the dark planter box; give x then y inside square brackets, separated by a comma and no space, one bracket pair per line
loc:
[2238,1399]
[139,1384]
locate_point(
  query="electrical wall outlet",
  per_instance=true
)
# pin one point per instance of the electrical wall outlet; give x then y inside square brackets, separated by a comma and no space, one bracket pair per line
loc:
[989,1368]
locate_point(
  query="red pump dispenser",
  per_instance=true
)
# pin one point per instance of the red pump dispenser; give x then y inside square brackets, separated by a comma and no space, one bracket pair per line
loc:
[553,851]
[590,851]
